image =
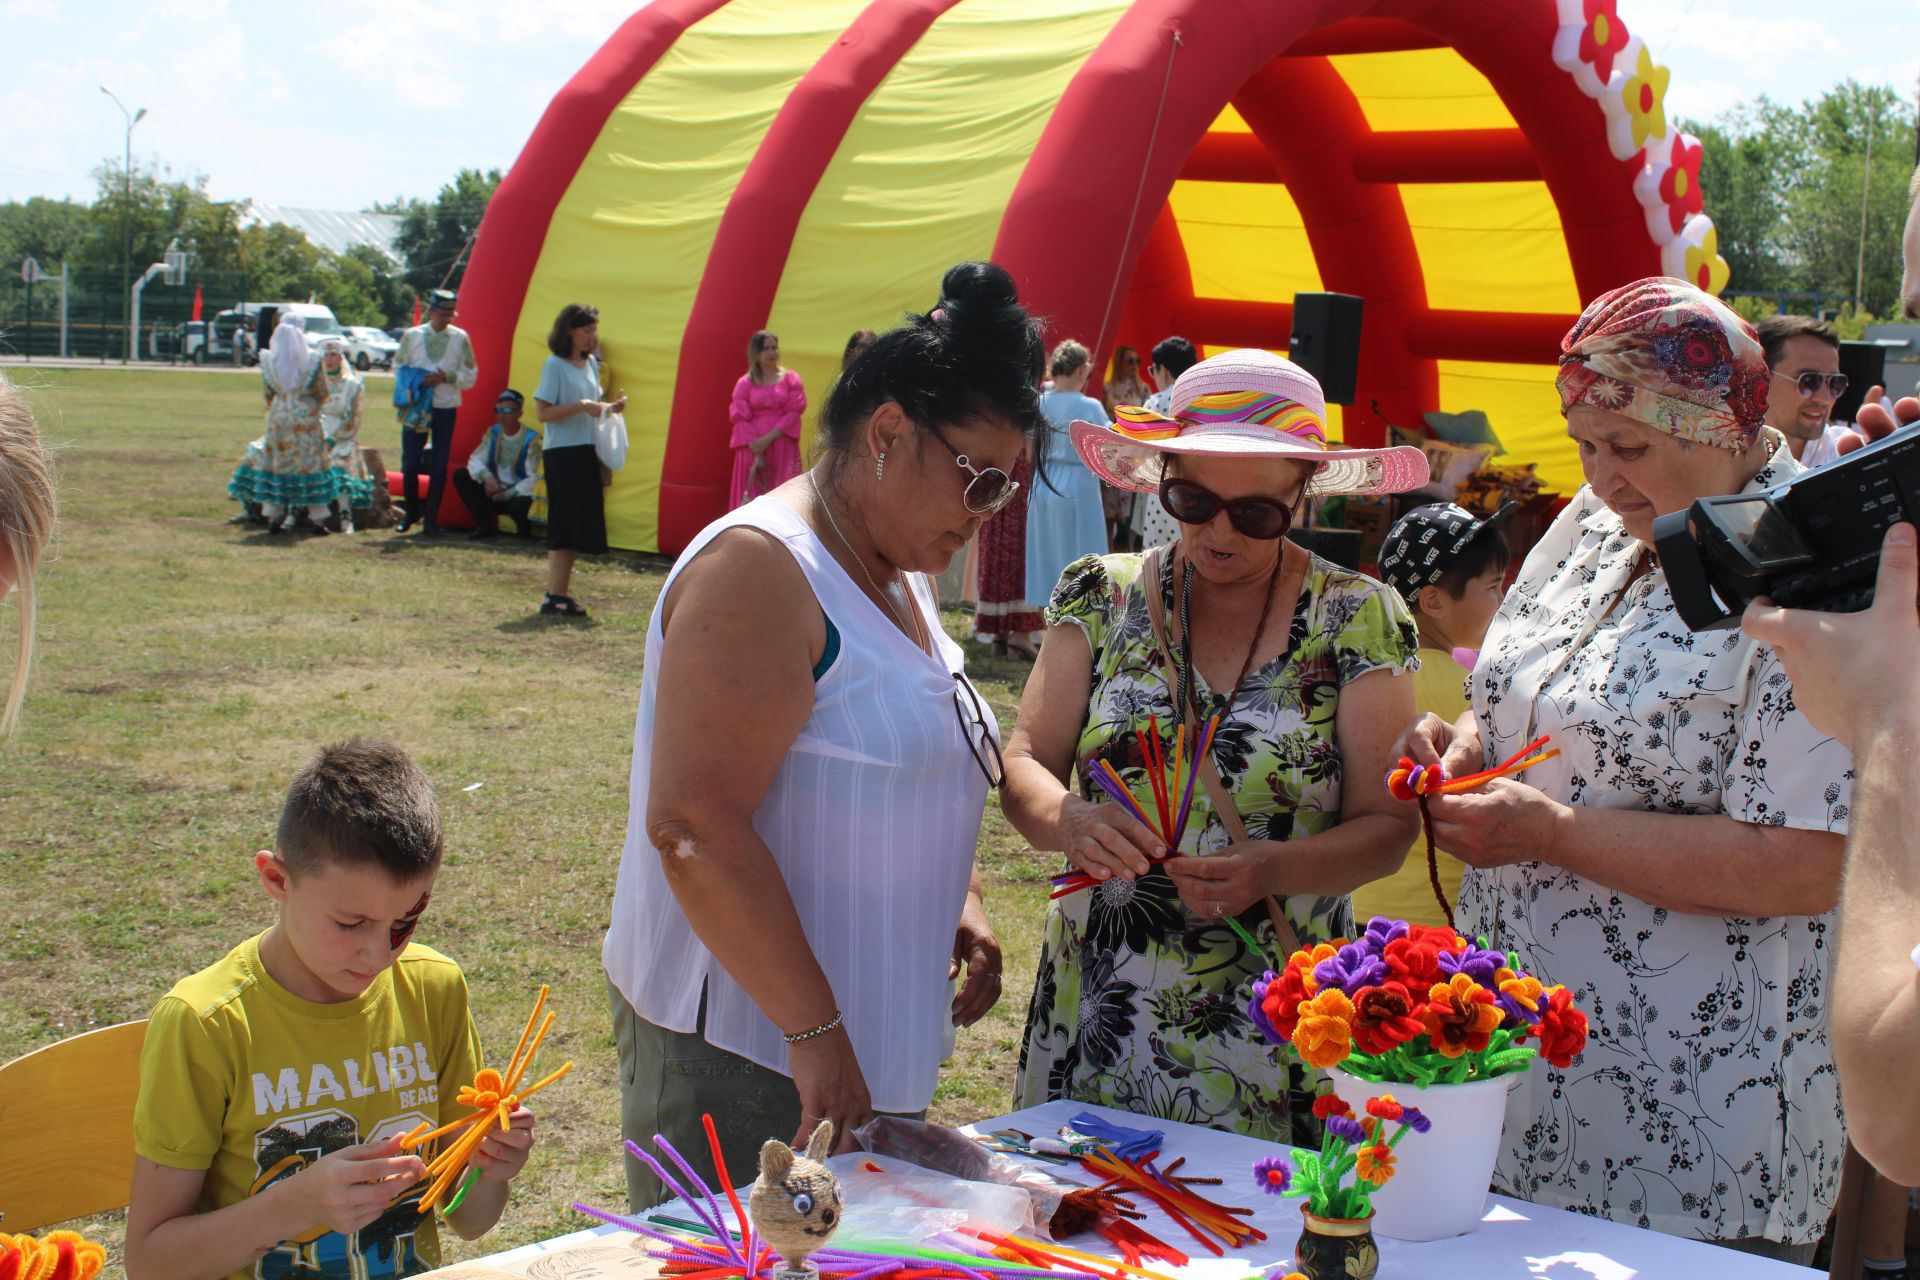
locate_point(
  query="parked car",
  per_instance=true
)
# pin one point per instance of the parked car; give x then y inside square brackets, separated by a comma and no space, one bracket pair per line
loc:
[318,319]
[367,346]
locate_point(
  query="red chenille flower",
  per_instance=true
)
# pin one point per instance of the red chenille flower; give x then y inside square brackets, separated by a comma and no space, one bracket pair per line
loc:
[1562,1029]
[1384,1016]
[1414,961]
[1329,1105]
[1285,994]
[1386,1106]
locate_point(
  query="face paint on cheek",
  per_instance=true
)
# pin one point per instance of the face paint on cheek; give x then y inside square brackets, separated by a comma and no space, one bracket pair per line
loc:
[398,935]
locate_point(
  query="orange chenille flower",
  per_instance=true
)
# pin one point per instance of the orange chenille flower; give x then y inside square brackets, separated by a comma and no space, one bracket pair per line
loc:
[1325,1034]
[1374,1164]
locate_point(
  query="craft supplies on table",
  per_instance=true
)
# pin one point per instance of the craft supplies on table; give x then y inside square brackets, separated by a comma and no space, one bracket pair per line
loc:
[1514,1239]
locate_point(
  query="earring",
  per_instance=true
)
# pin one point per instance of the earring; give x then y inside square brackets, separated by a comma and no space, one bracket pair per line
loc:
[880,467]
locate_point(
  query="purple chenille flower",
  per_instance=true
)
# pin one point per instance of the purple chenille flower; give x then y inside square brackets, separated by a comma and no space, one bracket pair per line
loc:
[1380,931]
[1258,1014]
[1518,1015]
[1351,968]
[1476,963]
[1416,1119]
[1348,1128]
[1273,1174]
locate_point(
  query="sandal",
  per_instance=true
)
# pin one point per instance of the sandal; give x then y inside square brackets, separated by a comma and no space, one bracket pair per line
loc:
[565,606]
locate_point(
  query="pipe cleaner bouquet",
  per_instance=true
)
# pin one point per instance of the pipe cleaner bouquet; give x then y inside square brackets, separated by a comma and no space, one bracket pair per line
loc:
[1415,1005]
[1356,1145]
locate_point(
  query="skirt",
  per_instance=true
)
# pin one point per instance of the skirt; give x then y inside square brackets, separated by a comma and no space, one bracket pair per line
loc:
[576,502]
[1002,591]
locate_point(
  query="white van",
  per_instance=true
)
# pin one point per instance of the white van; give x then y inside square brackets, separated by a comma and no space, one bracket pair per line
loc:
[317,318]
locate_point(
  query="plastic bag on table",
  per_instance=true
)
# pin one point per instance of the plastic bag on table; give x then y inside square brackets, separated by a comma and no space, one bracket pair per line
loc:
[889,1199]
[1061,1206]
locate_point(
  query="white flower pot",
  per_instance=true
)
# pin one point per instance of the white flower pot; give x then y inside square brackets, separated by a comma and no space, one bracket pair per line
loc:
[1439,1186]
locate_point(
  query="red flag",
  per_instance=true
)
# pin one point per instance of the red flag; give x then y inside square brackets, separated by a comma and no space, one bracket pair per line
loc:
[196,302]
[416,309]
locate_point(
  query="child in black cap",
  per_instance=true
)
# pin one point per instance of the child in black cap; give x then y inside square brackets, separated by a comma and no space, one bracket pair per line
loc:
[1450,566]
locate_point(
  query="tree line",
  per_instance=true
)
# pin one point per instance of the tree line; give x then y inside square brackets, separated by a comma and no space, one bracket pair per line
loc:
[277,261]
[1786,186]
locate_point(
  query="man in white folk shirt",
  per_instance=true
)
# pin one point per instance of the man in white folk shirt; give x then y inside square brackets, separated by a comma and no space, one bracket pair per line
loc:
[445,352]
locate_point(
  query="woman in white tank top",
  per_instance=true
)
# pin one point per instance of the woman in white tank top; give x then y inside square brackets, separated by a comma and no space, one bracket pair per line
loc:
[797,892]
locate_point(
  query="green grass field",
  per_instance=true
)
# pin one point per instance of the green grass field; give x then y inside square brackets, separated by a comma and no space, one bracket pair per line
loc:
[186,668]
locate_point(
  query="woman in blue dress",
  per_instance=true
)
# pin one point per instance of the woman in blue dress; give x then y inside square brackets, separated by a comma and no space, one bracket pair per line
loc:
[1064,517]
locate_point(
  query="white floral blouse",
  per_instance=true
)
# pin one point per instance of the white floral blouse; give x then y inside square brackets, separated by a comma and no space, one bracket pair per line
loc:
[1706,1103]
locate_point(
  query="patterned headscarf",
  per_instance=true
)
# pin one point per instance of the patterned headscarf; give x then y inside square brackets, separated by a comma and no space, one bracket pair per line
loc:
[1664,353]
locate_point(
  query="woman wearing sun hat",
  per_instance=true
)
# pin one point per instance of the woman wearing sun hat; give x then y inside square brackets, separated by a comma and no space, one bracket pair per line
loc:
[1677,865]
[1138,1003]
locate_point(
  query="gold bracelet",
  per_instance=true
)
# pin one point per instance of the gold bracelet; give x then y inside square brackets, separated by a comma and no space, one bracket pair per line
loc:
[829,1025]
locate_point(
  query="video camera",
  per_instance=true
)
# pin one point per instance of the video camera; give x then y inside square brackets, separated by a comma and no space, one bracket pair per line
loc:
[1811,543]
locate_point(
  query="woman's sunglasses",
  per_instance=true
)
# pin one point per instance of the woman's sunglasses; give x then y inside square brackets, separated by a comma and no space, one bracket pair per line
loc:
[1190,503]
[988,490]
[1808,384]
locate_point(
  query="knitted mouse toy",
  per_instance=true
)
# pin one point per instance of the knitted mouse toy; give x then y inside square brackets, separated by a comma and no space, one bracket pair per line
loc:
[796,1201]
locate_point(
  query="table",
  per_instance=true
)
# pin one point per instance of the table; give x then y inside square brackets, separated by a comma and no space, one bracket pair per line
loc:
[1515,1239]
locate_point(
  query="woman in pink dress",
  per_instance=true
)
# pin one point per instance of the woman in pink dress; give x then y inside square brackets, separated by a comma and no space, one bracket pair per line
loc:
[767,404]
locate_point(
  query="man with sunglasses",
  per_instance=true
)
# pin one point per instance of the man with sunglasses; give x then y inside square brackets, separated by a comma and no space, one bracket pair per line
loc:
[1804,356]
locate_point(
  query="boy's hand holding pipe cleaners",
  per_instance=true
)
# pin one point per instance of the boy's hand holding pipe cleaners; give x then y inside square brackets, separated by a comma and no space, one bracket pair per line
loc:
[493,1098]
[1172,791]
[1410,781]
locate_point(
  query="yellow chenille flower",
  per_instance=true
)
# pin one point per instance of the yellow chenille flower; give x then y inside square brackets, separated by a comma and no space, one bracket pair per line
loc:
[1325,1034]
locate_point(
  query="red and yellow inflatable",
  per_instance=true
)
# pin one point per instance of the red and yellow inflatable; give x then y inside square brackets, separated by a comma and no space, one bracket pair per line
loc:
[1473,168]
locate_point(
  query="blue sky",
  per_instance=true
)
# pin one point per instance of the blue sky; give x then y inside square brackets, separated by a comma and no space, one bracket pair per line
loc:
[282,103]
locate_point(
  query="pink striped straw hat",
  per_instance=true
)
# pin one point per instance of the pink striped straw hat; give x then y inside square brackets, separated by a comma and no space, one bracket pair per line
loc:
[1243,404]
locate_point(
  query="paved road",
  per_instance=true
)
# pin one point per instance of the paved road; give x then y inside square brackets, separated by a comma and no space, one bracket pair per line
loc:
[144,366]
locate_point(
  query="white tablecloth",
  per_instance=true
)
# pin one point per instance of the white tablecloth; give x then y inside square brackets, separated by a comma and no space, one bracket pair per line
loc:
[1515,1240]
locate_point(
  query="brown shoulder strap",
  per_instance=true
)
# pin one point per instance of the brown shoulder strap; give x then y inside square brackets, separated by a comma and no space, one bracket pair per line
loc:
[1207,771]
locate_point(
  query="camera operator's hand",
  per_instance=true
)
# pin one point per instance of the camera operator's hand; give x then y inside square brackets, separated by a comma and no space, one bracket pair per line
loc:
[1875,423]
[1851,670]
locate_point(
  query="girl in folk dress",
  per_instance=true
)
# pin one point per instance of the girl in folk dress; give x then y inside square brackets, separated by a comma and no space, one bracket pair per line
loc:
[293,469]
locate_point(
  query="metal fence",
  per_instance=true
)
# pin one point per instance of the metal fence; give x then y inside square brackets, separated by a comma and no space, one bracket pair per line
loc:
[87,314]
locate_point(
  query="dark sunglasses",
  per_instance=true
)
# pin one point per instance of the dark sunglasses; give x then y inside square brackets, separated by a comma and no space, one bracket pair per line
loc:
[988,490]
[1808,384]
[981,738]
[1190,503]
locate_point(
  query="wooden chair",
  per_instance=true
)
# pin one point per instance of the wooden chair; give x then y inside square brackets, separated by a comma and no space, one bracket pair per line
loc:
[66,1127]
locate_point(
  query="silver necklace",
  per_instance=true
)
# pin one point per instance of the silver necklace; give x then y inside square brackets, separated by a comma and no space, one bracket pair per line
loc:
[910,632]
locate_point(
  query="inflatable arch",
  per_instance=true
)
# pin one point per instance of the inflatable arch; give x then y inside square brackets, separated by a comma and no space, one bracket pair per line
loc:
[1473,168]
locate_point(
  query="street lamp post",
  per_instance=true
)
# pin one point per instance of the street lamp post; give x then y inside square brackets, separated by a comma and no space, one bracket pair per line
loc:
[126,217]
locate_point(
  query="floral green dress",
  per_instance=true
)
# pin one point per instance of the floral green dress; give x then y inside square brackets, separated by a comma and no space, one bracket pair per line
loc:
[1138,1004]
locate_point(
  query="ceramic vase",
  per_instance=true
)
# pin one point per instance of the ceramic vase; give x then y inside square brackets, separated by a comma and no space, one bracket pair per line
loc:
[1335,1248]
[1440,1181]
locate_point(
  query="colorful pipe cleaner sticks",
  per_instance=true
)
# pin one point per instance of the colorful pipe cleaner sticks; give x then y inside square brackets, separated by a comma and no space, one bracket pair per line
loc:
[61,1255]
[1172,791]
[1410,781]
[1213,1225]
[732,1252]
[493,1095]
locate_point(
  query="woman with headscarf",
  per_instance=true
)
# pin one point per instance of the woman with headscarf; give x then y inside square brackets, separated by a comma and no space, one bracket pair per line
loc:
[1139,1001]
[292,469]
[1677,866]
[340,423]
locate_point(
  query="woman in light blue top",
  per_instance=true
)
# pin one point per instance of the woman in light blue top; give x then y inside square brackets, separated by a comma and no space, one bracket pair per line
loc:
[1064,517]
[569,405]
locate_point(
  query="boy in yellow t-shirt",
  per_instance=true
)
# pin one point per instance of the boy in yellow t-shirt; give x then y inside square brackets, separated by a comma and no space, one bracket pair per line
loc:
[1450,566]
[274,1085]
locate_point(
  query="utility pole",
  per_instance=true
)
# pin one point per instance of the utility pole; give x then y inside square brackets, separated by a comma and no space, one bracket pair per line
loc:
[126,218]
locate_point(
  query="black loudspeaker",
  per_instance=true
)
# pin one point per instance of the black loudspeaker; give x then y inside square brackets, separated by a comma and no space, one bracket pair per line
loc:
[1865,364]
[1326,341]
